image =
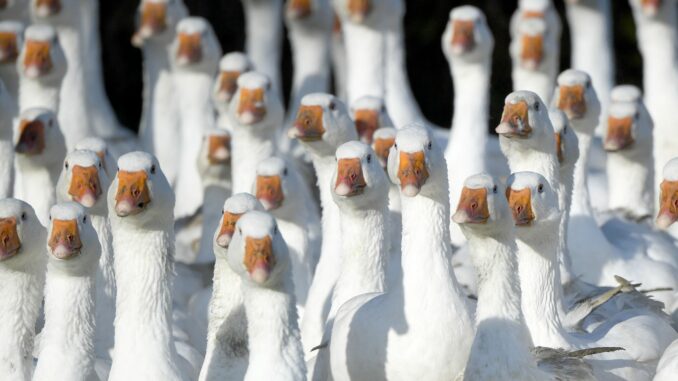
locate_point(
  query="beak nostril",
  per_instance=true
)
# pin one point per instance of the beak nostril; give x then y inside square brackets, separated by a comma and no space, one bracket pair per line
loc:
[474,205]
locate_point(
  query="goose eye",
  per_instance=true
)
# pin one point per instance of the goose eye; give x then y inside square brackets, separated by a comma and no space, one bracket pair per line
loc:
[564,130]
[50,217]
[99,164]
[369,158]
[23,216]
[222,212]
[536,106]
[285,172]
[153,169]
[84,220]
[275,230]
[383,108]
[540,188]
[268,85]
[66,165]
[332,106]
[494,189]
[429,146]
[395,146]
[588,84]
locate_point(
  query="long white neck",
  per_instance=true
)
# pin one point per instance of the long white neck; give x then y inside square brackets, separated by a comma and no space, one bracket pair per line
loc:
[10,78]
[214,196]
[630,176]
[22,297]
[6,168]
[366,59]
[274,340]
[541,81]
[400,102]
[581,203]
[38,185]
[249,148]
[227,296]
[565,201]
[67,340]
[38,93]
[105,288]
[264,38]
[143,325]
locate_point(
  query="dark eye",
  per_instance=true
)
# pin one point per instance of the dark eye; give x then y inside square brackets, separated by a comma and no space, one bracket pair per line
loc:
[588,84]
[369,158]
[84,220]
[99,164]
[395,146]
[50,217]
[152,169]
[268,85]
[494,189]
[564,130]
[332,106]
[536,106]
[540,188]
[285,172]
[23,216]
[275,230]
[429,146]
[383,108]
[222,212]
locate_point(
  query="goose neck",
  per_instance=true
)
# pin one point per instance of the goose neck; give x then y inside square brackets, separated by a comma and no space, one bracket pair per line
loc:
[227,296]
[565,201]
[105,287]
[263,20]
[10,78]
[631,183]
[249,147]
[657,41]
[366,59]
[400,101]
[471,95]
[310,54]
[34,93]
[38,186]
[581,202]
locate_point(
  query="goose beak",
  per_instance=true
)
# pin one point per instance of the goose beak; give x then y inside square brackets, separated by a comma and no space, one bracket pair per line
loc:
[533,15]
[132,195]
[619,133]
[358,10]
[269,191]
[31,138]
[560,149]
[64,241]
[463,39]
[152,21]
[8,47]
[520,202]
[668,204]
[227,228]
[251,107]
[532,52]
[190,49]
[350,181]
[228,85]
[219,149]
[366,122]
[259,259]
[381,147]
[308,127]
[472,208]
[9,238]
[37,59]
[85,187]
[412,172]
[571,101]
[47,8]
[515,121]
[299,9]
[651,7]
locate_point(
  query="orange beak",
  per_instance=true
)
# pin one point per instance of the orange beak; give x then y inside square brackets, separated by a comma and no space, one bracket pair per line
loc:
[572,102]
[651,7]
[619,133]
[299,9]
[412,172]
[132,194]
[219,149]
[533,14]
[358,10]
[381,148]
[269,191]
[227,229]
[350,181]
[668,204]
[533,51]
[8,47]
[259,259]
[308,127]
[64,242]
[85,186]
[152,21]
[559,147]
[520,203]
[190,48]
[31,138]
[462,36]
[251,107]
[228,85]
[46,8]
[9,238]
[366,122]
[472,208]
[37,60]
[515,121]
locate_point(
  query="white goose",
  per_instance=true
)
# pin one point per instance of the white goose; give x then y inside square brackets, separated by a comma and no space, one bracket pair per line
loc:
[322,125]
[263,44]
[142,201]
[668,365]
[225,85]
[40,150]
[258,255]
[22,272]
[195,54]
[100,148]
[227,352]
[369,114]
[369,338]
[67,340]
[84,180]
[160,123]
[382,141]
[11,40]
[7,110]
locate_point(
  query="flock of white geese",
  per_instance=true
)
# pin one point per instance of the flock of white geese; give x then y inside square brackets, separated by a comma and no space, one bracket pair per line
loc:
[343,237]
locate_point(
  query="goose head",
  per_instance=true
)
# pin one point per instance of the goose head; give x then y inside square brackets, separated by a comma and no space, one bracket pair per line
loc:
[258,252]
[231,66]
[72,244]
[255,104]
[55,12]
[11,40]
[214,160]
[41,57]
[534,205]
[525,123]
[383,140]
[575,96]
[234,207]
[371,13]
[651,9]
[628,133]
[534,8]
[632,94]
[531,46]
[308,15]
[83,180]
[100,148]
[22,237]
[323,124]
[38,138]
[567,147]
[668,197]
[482,206]
[415,161]
[467,38]
[195,47]
[369,114]
[358,180]
[140,192]
[278,187]
[156,20]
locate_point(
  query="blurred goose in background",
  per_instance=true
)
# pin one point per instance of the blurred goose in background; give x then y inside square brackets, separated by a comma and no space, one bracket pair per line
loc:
[543,10]
[160,121]
[11,41]
[263,38]
[22,272]
[231,66]
[8,109]
[369,114]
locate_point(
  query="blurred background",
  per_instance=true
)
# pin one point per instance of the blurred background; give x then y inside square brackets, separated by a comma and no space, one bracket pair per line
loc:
[428,70]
